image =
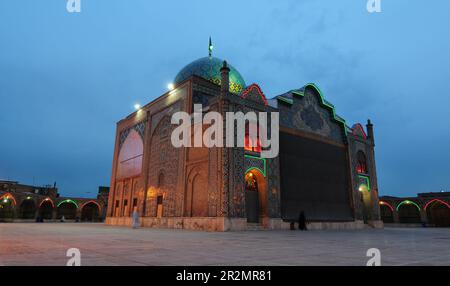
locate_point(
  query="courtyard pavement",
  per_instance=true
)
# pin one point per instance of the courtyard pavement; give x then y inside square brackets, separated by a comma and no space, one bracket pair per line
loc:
[47,243]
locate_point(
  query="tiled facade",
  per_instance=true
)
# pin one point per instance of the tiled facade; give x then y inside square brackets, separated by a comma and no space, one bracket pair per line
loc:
[204,188]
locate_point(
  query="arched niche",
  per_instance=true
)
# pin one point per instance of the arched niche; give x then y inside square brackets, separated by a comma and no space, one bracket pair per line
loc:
[130,156]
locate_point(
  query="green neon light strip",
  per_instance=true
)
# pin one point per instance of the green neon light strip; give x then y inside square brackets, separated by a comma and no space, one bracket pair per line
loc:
[325,103]
[408,202]
[285,100]
[251,168]
[349,129]
[67,201]
[367,181]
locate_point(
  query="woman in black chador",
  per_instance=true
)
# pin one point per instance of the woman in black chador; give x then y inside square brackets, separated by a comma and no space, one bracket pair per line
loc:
[302,221]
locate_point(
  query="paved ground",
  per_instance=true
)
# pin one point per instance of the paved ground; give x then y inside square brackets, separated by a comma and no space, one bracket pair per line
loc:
[46,244]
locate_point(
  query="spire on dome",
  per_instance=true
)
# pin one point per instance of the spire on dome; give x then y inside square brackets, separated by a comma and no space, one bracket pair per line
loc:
[210,48]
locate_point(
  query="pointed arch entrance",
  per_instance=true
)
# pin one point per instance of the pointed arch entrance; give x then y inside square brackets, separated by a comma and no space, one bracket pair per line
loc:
[197,193]
[438,213]
[90,211]
[386,212]
[408,212]
[7,207]
[27,209]
[67,209]
[366,202]
[255,196]
[46,209]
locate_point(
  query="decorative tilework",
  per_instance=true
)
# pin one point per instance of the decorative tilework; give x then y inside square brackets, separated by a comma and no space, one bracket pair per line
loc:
[139,128]
[209,68]
[364,180]
[252,162]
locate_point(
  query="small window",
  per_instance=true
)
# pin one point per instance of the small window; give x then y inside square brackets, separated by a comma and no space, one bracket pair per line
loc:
[248,141]
[362,165]
[125,203]
[159,200]
[117,203]
[161,180]
[134,202]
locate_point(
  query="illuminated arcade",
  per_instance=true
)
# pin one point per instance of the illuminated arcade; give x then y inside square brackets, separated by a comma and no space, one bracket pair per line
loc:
[25,203]
[426,209]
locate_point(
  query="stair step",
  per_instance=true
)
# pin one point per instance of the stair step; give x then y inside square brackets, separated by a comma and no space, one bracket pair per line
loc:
[254,226]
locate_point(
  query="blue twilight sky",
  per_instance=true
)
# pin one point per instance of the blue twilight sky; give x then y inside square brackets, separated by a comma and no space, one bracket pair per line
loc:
[66,79]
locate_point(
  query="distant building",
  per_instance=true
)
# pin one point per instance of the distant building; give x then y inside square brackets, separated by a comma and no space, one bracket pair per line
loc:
[428,209]
[102,199]
[325,168]
[19,202]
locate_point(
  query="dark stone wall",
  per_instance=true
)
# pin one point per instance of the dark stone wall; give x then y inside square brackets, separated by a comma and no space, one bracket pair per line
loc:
[314,179]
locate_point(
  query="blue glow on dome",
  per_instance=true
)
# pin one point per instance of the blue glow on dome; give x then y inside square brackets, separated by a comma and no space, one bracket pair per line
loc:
[209,68]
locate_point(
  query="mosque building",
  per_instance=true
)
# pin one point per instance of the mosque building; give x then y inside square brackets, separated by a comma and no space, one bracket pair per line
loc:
[325,168]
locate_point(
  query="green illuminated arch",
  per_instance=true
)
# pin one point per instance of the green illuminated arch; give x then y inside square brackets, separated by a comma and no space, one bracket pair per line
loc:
[256,168]
[285,100]
[367,180]
[67,201]
[408,202]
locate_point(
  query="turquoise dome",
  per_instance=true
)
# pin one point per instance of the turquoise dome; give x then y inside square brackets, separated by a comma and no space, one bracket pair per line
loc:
[209,68]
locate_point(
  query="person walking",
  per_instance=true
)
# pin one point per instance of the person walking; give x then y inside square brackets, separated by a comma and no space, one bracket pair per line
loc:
[135,219]
[302,221]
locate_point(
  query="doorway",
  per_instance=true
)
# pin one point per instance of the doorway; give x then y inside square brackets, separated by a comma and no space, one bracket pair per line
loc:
[366,202]
[255,196]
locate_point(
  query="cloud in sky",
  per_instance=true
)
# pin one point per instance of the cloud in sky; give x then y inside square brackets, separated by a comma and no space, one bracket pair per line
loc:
[66,79]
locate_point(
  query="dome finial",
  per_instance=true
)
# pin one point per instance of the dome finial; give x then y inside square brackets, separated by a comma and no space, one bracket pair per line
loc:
[210,47]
